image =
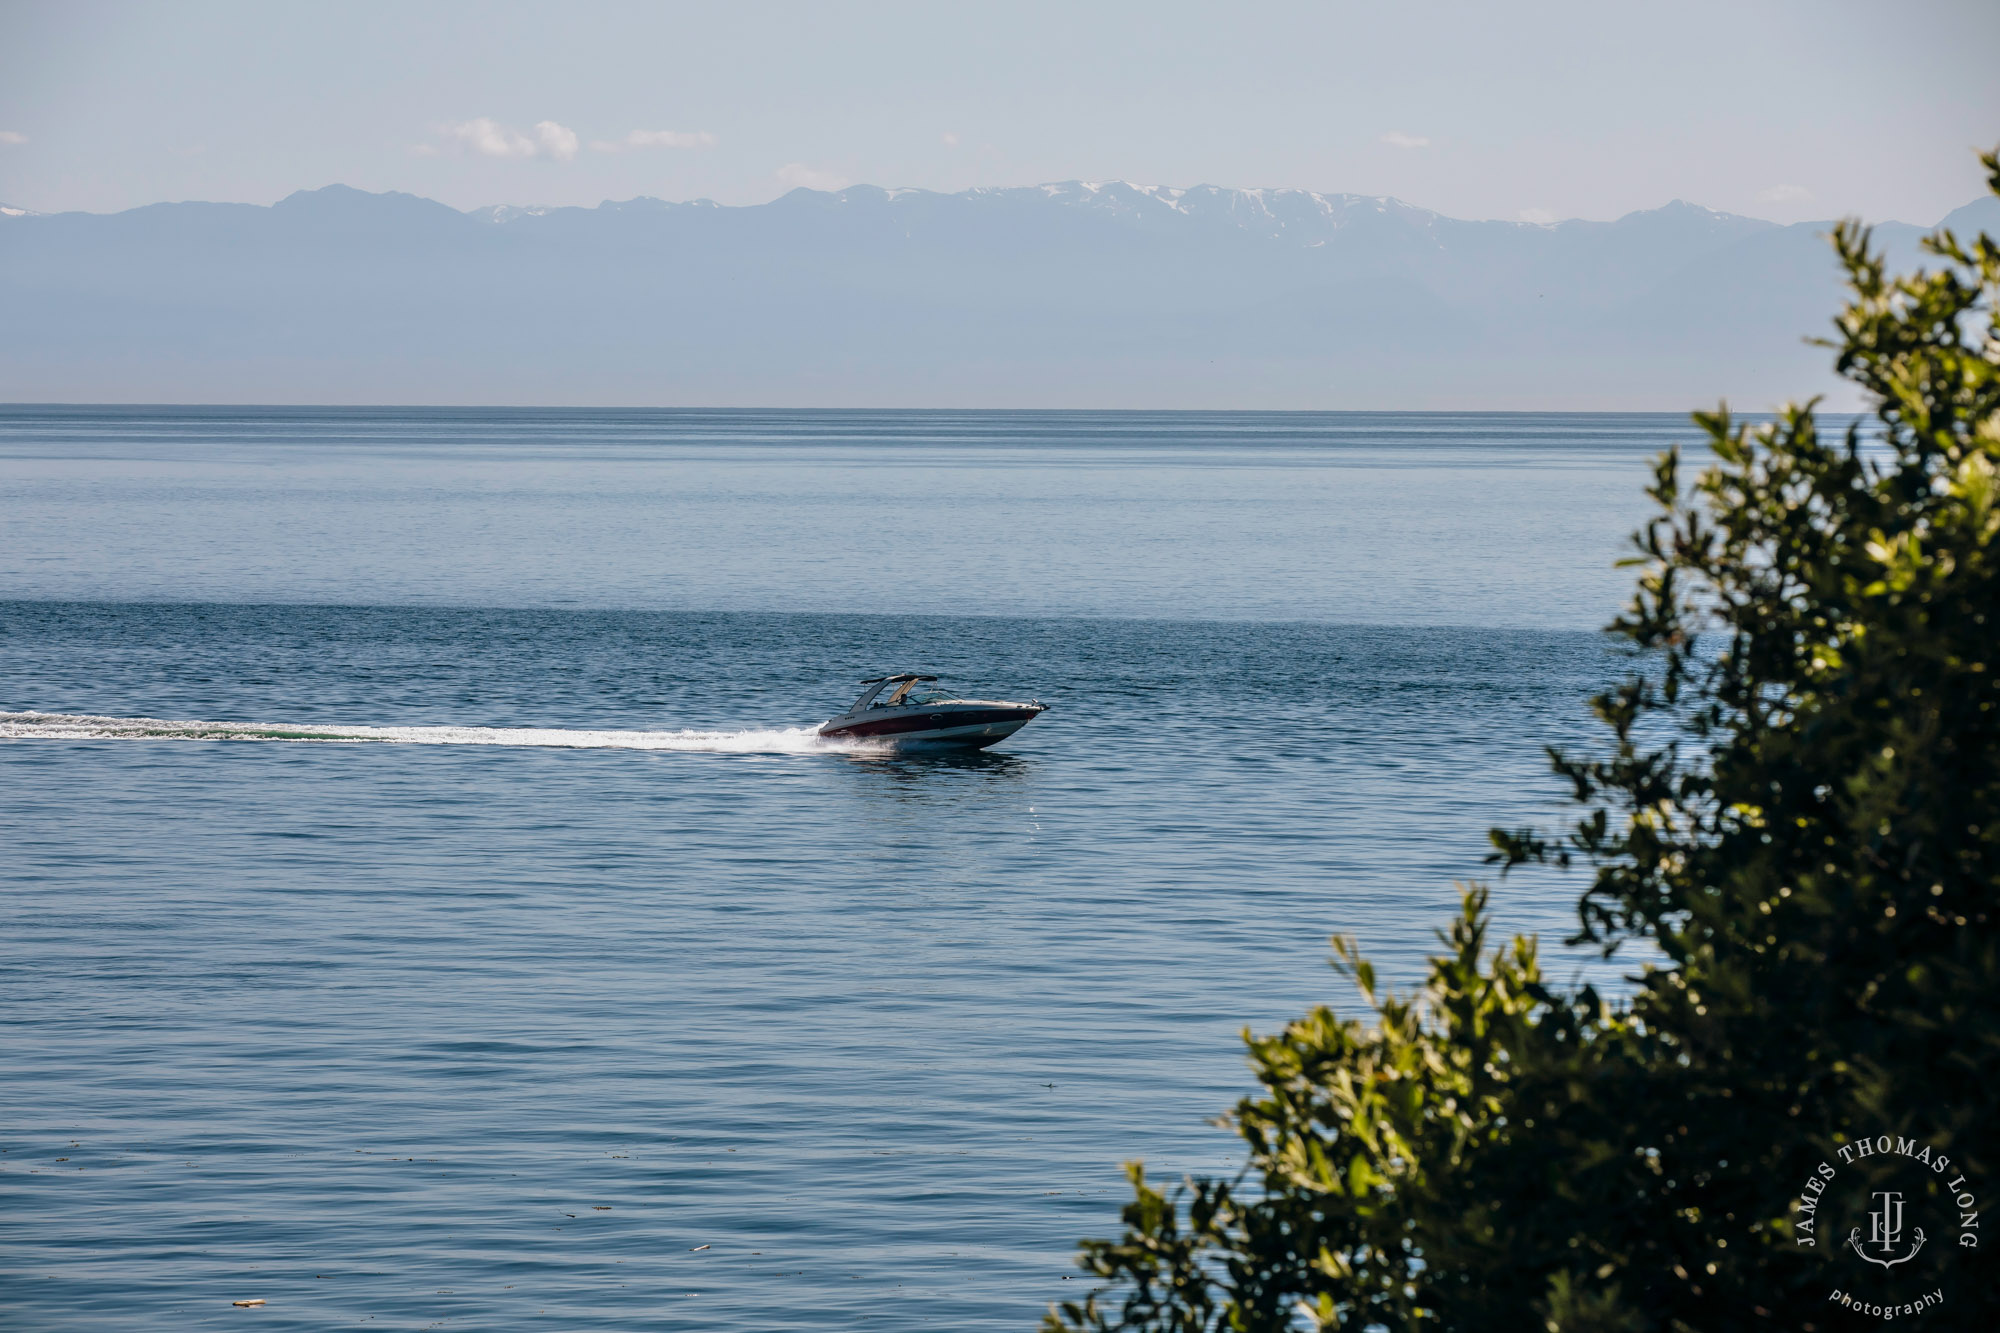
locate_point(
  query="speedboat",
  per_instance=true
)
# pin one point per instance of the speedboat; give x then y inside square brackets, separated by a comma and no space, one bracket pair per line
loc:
[915,714]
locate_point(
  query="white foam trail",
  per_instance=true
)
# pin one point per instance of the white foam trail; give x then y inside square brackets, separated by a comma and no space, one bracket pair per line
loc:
[71,726]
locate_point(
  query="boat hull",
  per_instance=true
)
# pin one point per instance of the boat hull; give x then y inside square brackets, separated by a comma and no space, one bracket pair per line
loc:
[966,726]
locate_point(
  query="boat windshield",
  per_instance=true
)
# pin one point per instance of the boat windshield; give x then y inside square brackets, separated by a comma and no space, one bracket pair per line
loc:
[900,692]
[914,692]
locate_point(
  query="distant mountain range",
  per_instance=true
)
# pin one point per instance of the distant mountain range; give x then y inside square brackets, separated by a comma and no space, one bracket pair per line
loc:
[1070,295]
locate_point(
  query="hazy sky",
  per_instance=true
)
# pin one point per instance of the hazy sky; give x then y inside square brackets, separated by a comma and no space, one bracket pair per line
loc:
[1781,110]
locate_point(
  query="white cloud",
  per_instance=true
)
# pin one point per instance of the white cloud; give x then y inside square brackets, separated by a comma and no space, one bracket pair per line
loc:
[950,139]
[1398,139]
[1785,194]
[489,138]
[799,175]
[12,137]
[557,141]
[1541,217]
[655,139]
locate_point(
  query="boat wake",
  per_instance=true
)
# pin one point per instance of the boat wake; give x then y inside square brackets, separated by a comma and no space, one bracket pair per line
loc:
[70,726]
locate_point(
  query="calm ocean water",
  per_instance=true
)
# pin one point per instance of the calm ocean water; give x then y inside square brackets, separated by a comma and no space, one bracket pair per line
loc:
[661,1017]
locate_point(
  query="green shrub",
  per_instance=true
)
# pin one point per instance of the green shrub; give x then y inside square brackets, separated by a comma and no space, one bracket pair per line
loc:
[1798,804]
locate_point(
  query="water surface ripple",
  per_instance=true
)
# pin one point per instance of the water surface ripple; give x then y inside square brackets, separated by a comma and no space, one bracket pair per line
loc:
[602,996]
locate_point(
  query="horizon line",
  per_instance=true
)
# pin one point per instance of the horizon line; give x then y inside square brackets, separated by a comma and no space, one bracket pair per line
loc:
[1150,191]
[9,404]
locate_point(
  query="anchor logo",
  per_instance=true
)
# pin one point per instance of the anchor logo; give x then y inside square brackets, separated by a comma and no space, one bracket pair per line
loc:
[1885,1231]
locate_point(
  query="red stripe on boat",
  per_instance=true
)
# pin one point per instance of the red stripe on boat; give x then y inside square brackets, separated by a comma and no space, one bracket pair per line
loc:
[896,726]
